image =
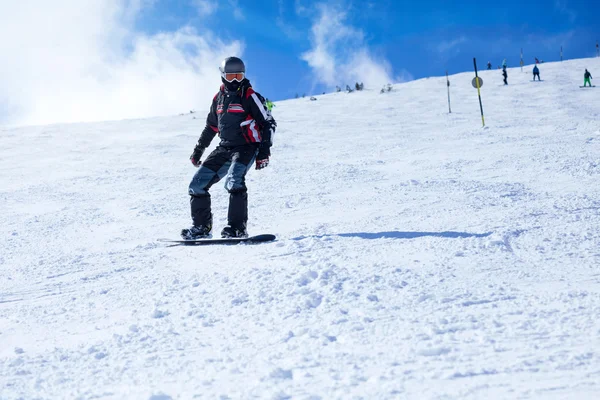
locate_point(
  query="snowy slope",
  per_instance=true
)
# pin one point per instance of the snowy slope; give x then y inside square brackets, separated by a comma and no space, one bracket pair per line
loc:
[419,256]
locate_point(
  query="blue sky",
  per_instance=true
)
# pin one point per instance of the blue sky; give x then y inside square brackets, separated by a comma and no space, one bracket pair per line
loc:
[416,39]
[74,60]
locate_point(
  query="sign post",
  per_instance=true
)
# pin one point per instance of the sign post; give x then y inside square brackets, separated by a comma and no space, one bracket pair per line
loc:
[448,81]
[522,59]
[477,82]
[561,58]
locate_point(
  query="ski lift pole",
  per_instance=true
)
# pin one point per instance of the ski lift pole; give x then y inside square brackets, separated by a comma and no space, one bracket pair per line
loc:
[448,81]
[478,83]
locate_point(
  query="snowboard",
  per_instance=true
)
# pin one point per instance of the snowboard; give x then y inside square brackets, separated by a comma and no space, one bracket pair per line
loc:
[587,86]
[203,242]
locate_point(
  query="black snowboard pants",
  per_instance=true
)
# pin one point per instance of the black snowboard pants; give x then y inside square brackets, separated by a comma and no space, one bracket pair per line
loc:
[232,163]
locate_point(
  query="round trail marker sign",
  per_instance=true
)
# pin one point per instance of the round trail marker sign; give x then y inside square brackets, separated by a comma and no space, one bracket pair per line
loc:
[474,82]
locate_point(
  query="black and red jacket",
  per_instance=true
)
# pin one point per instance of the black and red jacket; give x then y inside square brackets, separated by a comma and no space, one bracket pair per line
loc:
[239,118]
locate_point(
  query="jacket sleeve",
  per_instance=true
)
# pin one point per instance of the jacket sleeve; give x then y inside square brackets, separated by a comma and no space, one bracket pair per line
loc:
[264,119]
[211,128]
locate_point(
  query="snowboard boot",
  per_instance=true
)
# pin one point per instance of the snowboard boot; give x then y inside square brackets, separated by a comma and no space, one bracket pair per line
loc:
[196,232]
[232,232]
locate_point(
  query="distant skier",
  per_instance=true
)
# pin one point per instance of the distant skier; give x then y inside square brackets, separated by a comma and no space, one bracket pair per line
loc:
[489,65]
[536,72]
[586,78]
[505,75]
[269,104]
[245,127]
[537,61]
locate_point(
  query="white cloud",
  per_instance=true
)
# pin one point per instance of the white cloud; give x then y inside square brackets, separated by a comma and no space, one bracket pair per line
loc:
[447,46]
[300,8]
[563,7]
[543,42]
[73,60]
[284,24]
[208,7]
[205,7]
[340,55]
[238,14]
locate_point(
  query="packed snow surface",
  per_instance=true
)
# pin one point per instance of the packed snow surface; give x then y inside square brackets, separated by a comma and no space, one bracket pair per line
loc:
[418,255]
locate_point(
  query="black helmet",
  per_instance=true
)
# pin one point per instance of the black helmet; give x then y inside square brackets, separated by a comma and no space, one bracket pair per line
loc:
[232,65]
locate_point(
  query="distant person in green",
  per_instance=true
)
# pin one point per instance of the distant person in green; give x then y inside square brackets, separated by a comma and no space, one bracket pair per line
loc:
[586,78]
[269,104]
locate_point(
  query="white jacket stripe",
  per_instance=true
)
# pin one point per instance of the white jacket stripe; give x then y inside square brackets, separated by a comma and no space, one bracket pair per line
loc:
[254,131]
[260,105]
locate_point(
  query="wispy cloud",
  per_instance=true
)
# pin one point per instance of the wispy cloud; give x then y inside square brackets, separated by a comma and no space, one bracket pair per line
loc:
[300,8]
[562,6]
[209,7]
[451,46]
[238,14]
[340,54]
[83,61]
[288,29]
[205,7]
[549,42]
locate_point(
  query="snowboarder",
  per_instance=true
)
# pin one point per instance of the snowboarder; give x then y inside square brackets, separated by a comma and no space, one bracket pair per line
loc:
[586,78]
[536,72]
[505,75]
[245,126]
[489,65]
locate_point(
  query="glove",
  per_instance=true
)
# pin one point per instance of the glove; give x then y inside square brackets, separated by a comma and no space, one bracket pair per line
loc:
[260,164]
[196,155]
[262,157]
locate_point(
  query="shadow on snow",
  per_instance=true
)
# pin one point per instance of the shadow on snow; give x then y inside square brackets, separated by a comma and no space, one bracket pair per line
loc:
[400,235]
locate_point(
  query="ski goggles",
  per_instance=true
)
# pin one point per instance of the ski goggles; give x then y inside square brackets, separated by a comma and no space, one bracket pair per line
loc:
[233,76]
